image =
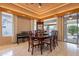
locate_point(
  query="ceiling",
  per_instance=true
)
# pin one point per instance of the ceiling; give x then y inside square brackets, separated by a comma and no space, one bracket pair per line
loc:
[35,7]
[47,10]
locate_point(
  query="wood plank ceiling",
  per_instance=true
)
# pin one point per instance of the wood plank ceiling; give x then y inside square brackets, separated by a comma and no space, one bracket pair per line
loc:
[34,10]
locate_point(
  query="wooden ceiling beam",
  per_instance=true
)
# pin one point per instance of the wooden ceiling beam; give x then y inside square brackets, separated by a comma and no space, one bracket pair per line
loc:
[61,11]
[62,14]
[16,13]
[55,8]
[25,8]
[11,7]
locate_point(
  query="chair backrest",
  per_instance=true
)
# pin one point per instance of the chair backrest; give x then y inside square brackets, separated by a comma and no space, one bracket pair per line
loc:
[54,33]
[39,33]
[30,33]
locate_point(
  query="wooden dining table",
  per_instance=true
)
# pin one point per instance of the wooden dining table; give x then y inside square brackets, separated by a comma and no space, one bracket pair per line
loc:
[41,40]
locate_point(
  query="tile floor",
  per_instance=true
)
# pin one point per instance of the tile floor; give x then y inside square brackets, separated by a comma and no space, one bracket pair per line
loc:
[63,49]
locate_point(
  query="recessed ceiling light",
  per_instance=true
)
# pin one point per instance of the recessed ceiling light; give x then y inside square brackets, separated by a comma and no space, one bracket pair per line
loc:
[70,17]
[39,6]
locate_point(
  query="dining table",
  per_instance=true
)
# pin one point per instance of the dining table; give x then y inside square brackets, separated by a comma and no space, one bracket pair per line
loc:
[41,39]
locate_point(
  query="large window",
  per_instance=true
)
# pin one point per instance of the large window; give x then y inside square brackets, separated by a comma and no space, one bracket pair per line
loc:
[50,24]
[71,28]
[7,24]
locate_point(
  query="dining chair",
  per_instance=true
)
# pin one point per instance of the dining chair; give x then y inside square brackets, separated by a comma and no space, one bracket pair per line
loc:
[32,42]
[48,42]
[54,37]
[29,39]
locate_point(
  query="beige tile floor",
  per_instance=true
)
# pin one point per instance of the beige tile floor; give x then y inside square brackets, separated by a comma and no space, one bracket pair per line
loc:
[63,49]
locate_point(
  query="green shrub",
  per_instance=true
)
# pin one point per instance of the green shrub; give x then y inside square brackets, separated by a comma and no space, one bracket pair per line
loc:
[73,29]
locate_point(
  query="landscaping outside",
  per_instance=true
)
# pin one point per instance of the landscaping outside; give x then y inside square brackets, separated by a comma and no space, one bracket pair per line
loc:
[72,33]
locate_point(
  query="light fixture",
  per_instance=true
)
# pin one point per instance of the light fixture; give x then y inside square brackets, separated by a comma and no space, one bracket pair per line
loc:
[39,5]
[70,17]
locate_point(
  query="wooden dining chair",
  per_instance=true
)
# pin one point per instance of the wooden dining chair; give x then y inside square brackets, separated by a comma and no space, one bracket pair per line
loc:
[29,40]
[32,42]
[54,37]
[48,42]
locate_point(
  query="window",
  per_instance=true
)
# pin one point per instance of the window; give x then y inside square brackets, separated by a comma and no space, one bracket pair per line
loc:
[71,28]
[50,24]
[7,24]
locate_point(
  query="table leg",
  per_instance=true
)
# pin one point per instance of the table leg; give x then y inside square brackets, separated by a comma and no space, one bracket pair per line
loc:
[23,39]
[41,47]
[17,41]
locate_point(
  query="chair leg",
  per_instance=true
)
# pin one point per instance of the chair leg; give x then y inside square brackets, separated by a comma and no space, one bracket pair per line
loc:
[56,42]
[50,46]
[41,48]
[38,46]
[17,40]
[28,45]
[53,44]
[32,50]
[47,45]
[29,48]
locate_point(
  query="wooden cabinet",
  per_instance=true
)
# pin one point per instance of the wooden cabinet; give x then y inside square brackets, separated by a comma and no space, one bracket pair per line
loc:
[40,26]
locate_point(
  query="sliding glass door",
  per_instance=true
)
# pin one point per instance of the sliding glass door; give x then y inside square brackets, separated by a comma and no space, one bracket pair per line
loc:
[71,28]
[78,28]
